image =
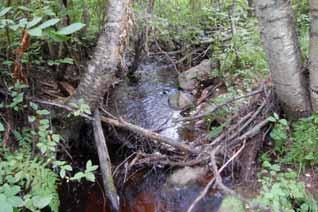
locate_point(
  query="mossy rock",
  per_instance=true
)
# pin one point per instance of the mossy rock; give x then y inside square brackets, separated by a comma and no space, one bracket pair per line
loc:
[232,204]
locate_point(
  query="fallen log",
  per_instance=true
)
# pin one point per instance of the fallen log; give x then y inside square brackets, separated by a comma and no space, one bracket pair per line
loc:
[102,68]
[104,162]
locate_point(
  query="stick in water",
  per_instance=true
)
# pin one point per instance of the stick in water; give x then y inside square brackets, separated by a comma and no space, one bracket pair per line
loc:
[104,161]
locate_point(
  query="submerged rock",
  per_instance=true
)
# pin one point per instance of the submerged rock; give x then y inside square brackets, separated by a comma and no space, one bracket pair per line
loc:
[190,79]
[181,100]
[186,175]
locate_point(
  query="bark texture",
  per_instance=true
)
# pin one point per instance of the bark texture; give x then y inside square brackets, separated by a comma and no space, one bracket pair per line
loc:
[313,54]
[102,68]
[279,38]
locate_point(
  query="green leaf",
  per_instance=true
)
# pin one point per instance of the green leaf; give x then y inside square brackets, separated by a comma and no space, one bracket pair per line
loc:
[67,60]
[4,204]
[283,122]
[49,23]
[12,190]
[42,147]
[43,112]
[34,22]
[92,168]
[41,201]
[56,137]
[36,32]
[89,164]
[90,177]
[78,176]
[16,201]
[34,106]
[5,11]
[44,122]
[1,127]
[31,119]
[71,29]
[62,173]
[271,119]
[57,37]
[68,168]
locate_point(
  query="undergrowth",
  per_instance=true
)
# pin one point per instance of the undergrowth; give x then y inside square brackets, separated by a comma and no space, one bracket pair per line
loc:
[304,148]
[281,190]
[294,150]
[29,167]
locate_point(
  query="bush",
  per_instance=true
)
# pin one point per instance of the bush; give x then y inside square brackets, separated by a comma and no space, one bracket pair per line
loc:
[304,149]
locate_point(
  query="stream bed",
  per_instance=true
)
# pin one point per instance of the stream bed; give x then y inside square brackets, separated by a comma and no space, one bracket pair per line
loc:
[145,103]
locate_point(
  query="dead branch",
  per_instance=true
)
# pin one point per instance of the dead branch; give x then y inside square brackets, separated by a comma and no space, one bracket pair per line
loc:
[231,129]
[104,161]
[149,134]
[167,55]
[253,93]
[124,124]
[250,133]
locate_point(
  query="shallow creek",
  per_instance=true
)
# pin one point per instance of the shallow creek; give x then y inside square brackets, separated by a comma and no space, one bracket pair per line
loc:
[145,103]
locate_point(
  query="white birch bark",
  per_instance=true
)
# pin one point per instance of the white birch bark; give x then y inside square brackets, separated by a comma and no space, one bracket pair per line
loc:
[313,54]
[280,41]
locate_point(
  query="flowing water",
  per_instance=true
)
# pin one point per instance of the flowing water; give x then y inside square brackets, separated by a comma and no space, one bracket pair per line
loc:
[145,103]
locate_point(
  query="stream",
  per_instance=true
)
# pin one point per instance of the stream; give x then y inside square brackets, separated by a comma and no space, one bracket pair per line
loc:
[145,103]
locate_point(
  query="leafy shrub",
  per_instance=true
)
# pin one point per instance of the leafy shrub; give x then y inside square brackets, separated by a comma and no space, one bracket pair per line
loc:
[279,133]
[26,182]
[282,191]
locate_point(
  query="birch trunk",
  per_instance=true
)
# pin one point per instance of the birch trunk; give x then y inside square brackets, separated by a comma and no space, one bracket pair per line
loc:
[313,54]
[280,41]
[102,68]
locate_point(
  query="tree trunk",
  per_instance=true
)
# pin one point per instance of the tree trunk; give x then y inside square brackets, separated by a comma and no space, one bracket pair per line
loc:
[251,11]
[101,70]
[313,54]
[140,44]
[279,37]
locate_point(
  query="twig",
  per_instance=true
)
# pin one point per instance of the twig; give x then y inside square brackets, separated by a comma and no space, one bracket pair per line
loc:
[234,127]
[247,123]
[124,161]
[167,55]
[249,134]
[227,190]
[253,93]
[208,186]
